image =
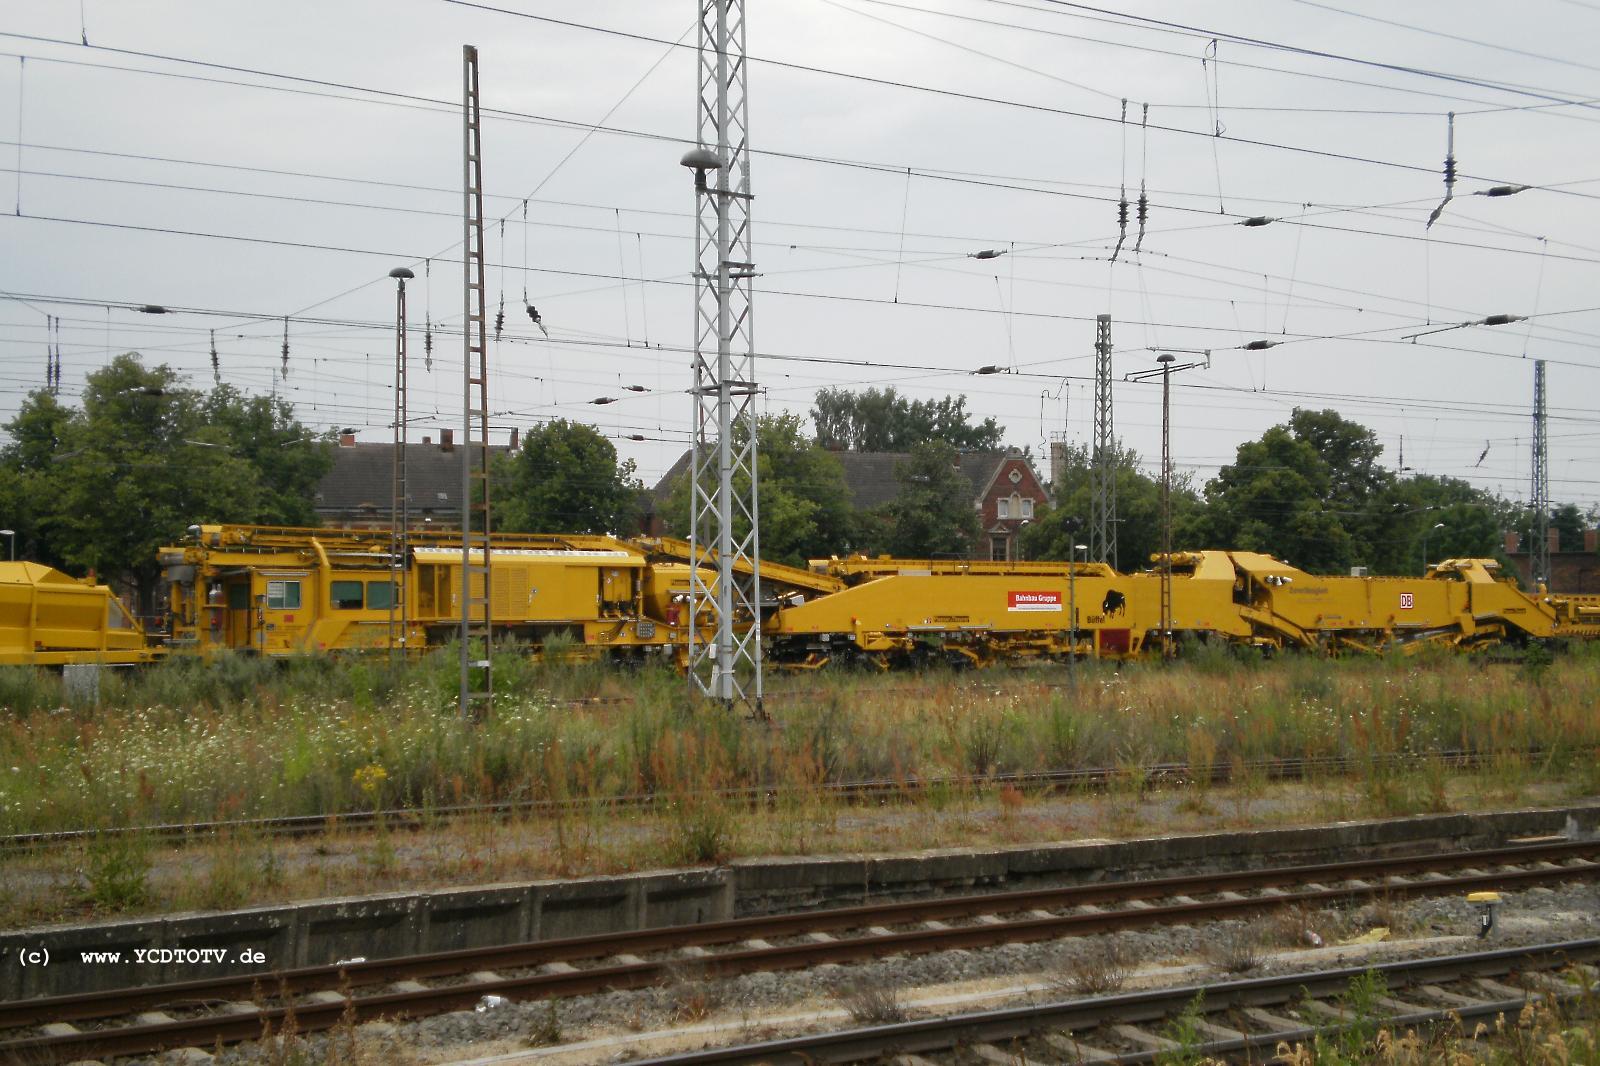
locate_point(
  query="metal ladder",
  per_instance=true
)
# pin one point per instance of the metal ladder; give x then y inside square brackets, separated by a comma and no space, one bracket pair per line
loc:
[477,680]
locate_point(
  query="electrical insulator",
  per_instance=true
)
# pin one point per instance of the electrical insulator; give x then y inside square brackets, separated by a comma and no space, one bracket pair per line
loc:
[427,343]
[216,367]
[500,319]
[285,346]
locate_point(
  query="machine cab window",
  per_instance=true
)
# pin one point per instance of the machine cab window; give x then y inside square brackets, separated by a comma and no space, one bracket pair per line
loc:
[345,595]
[283,595]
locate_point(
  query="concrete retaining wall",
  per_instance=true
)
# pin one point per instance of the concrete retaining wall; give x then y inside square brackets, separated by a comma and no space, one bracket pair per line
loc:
[324,931]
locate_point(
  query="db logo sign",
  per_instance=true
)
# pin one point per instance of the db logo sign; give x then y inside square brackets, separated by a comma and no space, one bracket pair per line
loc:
[1407,601]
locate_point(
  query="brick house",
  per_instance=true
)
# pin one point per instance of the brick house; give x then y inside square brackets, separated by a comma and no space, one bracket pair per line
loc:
[1006,492]
[1570,571]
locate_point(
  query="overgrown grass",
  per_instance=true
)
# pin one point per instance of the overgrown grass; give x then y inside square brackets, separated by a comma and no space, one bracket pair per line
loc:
[245,739]
[238,738]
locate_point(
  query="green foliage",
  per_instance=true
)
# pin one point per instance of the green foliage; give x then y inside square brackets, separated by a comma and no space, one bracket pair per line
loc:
[881,420]
[566,479]
[1138,535]
[933,515]
[1185,1032]
[1282,496]
[1312,491]
[103,486]
[804,502]
[116,870]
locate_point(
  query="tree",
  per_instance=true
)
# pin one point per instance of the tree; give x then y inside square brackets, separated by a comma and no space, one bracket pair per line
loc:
[804,501]
[141,460]
[881,420]
[1405,514]
[288,459]
[1307,491]
[1137,533]
[1568,523]
[566,479]
[933,515]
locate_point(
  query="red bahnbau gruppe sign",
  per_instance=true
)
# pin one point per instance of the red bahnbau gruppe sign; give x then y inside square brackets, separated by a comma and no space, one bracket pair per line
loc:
[1033,601]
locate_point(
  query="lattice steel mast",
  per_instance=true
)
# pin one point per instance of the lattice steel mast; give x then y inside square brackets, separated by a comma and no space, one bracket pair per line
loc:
[477,682]
[723,510]
[399,500]
[1103,456]
[1539,555]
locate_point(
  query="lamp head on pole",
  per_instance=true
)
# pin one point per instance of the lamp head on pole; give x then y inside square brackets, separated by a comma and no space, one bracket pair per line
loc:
[402,273]
[700,160]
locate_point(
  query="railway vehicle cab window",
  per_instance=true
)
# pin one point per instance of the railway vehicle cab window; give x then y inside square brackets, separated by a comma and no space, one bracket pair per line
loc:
[346,595]
[378,595]
[283,595]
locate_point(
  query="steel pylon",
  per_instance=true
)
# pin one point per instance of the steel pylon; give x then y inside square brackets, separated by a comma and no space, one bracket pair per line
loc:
[1103,454]
[724,536]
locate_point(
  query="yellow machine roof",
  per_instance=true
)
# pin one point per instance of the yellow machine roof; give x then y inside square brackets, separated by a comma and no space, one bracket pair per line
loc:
[25,573]
[1258,565]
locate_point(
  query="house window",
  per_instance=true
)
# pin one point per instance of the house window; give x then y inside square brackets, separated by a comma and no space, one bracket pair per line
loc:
[997,547]
[283,595]
[1027,508]
[1005,508]
[346,595]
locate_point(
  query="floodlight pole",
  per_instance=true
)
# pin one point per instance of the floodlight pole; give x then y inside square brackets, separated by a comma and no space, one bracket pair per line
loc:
[724,515]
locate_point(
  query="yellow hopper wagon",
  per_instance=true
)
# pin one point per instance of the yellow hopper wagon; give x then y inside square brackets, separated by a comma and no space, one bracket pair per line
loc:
[48,618]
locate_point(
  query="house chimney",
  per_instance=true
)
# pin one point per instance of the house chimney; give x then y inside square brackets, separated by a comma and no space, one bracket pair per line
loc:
[1554,540]
[427,441]
[347,438]
[514,437]
[1591,540]
[1058,465]
[1513,542]
[447,440]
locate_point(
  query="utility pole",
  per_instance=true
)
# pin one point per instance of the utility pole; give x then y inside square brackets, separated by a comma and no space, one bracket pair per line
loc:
[477,636]
[1072,604]
[1103,457]
[1539,557]
[1165,371]
[399,502]
[724,517]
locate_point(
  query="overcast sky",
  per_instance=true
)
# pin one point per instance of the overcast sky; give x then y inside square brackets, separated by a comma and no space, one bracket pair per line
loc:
[304,149]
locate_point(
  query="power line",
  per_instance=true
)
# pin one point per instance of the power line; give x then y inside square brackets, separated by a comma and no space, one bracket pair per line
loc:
[1429,31]
[411,98]
[1315,53]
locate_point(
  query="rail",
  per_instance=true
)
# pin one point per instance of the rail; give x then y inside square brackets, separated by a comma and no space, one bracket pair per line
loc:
[322,997]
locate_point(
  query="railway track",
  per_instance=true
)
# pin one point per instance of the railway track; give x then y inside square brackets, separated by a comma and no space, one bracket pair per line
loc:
[1233,1021]
[1155,775]
[231,1009]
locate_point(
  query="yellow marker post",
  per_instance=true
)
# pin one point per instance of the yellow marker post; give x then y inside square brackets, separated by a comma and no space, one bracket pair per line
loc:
[1488,904]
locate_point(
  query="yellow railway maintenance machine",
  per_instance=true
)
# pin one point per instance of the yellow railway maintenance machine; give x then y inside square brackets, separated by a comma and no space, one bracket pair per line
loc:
[280,591]
[1460,602]
[50,619]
